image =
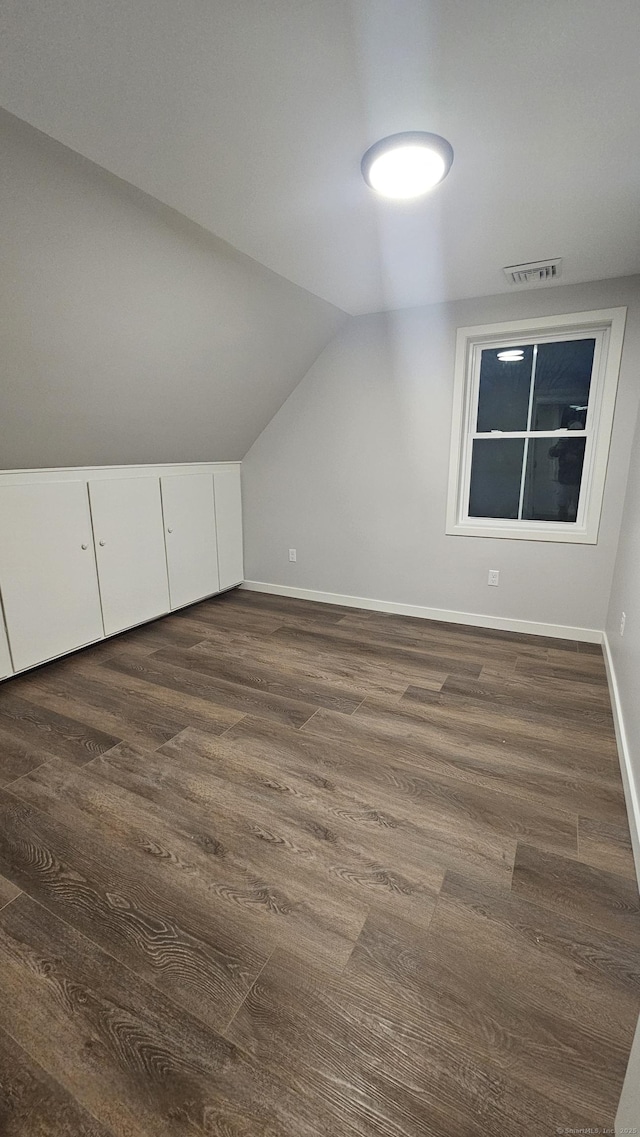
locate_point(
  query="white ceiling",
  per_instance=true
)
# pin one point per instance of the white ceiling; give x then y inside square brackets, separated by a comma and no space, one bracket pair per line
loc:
[250,117]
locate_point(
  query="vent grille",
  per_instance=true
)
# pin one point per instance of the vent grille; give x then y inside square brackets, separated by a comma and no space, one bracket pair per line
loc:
[536,272]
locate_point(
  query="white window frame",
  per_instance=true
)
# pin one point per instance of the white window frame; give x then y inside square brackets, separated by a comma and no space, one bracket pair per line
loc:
[606,326]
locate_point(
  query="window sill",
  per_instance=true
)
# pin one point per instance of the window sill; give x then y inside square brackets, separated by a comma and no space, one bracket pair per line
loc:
[568,534]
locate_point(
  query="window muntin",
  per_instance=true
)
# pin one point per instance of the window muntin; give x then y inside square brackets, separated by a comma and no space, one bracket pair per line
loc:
[558,408]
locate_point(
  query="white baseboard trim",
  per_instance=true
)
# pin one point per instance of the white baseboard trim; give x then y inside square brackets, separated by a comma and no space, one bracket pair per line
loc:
[631,788]
[501,623]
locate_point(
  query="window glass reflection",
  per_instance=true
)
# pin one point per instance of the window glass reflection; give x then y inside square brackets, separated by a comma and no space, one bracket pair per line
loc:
[503,400]
[552,479]
[562,384]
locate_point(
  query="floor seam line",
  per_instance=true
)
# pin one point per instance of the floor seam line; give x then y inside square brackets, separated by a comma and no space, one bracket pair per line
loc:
[242,1002]
[8,785]
[8,902]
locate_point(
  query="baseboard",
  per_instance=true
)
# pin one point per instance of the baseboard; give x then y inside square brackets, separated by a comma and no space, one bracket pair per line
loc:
[501,623]
[631,788]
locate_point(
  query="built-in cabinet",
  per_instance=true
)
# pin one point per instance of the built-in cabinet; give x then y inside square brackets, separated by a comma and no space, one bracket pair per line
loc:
[88,553]
[229,519]
[190,534]
[130,551]
[47,570]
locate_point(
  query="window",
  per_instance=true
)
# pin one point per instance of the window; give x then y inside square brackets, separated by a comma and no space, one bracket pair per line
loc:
[532,417]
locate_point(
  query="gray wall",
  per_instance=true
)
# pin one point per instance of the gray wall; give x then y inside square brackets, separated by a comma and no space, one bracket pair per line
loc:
[625,650]
[352,472]
[625,655]
[127,333]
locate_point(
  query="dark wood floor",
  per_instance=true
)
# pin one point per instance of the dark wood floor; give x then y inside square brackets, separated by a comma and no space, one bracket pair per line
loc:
[276,869]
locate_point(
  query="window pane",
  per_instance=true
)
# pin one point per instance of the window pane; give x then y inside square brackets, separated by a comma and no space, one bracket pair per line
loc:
[495,477]
[563,379]
[552,482]
[503,401]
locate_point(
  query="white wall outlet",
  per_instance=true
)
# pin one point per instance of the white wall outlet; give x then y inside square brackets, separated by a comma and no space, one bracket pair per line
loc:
[293,556]
[494,577]
[623,620]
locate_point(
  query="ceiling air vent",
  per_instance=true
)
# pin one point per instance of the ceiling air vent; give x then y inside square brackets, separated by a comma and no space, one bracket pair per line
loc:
[537,272]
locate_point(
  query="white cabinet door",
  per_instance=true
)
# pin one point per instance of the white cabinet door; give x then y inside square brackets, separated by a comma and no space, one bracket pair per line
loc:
[5,658]
[190,537]
[129,543]
[47,570]
[229,526]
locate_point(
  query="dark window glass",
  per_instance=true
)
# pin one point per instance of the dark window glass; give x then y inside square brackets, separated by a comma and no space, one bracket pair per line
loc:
[561,389]
[503,400]
[552,481]
[496,471]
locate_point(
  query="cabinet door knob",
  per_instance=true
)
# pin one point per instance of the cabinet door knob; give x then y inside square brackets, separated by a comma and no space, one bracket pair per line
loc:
[84,546]
[101,542]
[169,530]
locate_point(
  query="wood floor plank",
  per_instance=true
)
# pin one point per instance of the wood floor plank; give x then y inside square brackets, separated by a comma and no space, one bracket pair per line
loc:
[8,891]
[47,730]
[358,677]
[138,1063]
[491,703]
[590,649]
[596,955]
[149,715]
[354,617]
[159,933]
[478,1001]
[599,898]
[584,703]
[414,661]
[386,799]
[426,993]
[78,693]
[17,757]
[450,732]
[295,837]
[141,803]
[337,1063]
[266,677]
[302,817]
[486,720]
[587,668]
[32,1104]
[606,845]
[470,635]
[220,615]
[560,997]
[231,696]
[378,1053]
[283,607]
[517,817]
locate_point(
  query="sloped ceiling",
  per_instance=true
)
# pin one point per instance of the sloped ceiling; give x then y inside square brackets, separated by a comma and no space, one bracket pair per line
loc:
[128,334]
[250,118]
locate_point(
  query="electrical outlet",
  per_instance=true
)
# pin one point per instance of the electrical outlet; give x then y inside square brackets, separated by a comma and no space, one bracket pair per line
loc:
[494,577]
[623,620]
[293,555]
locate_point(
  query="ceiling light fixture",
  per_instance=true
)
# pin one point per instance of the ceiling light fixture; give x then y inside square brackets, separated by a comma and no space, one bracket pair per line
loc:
[407,165]
[515,355]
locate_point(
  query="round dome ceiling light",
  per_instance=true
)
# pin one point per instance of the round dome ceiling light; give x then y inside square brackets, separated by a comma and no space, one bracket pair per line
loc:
[407,165]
